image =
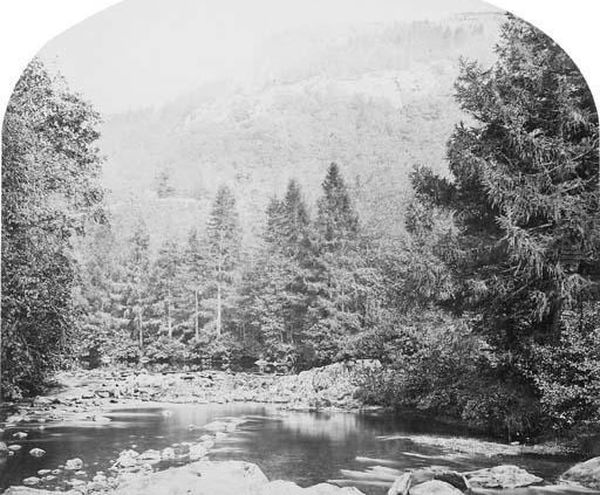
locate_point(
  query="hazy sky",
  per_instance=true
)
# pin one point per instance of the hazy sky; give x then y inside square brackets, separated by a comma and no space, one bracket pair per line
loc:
[146,52]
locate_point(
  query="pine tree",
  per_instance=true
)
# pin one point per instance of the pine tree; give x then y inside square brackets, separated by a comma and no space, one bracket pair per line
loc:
[336,221]
[164,283]
[135,285]
[333,284]
[194,277]
[224,238]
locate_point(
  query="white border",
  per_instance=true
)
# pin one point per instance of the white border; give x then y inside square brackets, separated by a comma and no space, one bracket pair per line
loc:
[26,25]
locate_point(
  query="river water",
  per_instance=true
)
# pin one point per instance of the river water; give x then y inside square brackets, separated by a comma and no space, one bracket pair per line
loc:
[306,447]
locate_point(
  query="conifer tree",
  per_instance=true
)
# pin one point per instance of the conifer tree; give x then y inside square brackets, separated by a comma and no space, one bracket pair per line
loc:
[194,277]
[135,292]
[224,238]
[164,284]
[524,190]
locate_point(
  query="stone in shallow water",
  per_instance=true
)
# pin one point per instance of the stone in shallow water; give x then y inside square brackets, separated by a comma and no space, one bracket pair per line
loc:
[401,485]
[168,454]
[199,478]
[31,481]
[505,476]
[434,487]
[585,473]
[74,464]
[37,452]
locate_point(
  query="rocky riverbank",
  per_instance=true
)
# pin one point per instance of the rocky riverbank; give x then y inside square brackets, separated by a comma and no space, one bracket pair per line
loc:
[203,477]
[85,394]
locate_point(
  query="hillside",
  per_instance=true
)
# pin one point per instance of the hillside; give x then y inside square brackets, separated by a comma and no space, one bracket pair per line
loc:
[376,100]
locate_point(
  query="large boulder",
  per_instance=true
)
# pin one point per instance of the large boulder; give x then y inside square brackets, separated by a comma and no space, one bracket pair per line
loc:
[585,473]
[434,487]
[505,476]
[280,487]
[402,485]
[199,478]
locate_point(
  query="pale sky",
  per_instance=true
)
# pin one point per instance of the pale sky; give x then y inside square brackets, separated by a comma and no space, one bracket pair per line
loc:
[147,52]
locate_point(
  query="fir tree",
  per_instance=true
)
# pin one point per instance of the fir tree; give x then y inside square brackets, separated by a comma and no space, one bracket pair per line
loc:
[224,237]
[524,192]
[136,298]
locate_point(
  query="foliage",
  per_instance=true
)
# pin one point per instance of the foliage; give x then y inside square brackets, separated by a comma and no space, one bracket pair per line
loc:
[524,194]
[50,191]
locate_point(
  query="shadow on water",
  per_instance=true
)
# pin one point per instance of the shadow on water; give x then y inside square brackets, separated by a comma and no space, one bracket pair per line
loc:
[308,448]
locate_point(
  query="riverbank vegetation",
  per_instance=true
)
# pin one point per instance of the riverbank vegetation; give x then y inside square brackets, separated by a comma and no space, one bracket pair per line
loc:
[485,309]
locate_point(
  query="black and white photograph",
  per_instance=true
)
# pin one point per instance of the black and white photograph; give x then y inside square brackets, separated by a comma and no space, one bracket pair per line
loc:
[329,247]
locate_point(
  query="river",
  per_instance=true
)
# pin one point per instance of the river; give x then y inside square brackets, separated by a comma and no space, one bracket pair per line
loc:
[360,449]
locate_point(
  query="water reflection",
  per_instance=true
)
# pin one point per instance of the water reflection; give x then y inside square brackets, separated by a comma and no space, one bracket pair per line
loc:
[304,447]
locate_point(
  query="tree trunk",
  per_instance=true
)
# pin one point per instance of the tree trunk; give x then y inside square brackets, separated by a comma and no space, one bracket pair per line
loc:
[219,308]
[196,326]
[169,326]
[0,364]
[140,328]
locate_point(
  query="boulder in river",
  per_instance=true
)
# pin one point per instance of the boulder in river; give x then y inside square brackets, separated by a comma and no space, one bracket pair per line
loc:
[434,487]
[3,449]
[127,459]
[168,454]
[401,486]
[31,481]
[37,452]
[74,464]
[20,435]
[151,456]
[505,476]
[585,473]
[199,478]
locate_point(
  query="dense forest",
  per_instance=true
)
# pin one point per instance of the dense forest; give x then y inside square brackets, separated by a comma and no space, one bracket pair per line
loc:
[478,293]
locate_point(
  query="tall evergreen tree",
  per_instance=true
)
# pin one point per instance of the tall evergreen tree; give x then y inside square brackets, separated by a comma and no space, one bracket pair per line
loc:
[336,220]
[194,277]
[524,190]
[135,294]
[164,283]
[224,238]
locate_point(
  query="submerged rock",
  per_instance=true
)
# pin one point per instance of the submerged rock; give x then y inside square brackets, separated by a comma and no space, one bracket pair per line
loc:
[585,473]
[506,476]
